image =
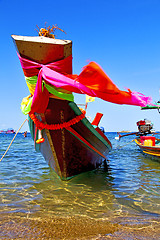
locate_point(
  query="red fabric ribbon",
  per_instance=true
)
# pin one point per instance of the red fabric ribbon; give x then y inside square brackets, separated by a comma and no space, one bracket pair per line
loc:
[92,81]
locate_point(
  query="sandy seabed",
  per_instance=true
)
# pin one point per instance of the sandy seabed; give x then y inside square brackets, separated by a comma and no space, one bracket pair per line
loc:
[72,228]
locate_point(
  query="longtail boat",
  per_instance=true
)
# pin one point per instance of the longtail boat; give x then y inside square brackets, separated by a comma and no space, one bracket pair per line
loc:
[146,140]
[69,142]
[149,145]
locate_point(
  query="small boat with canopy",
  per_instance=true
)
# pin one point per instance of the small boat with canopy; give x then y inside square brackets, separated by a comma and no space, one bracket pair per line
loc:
[146,140]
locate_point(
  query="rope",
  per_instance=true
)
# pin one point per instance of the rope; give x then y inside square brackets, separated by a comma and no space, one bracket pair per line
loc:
[126,144]
[12,140]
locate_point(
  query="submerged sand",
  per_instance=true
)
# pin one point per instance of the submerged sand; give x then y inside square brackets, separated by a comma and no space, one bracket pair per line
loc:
[71,228]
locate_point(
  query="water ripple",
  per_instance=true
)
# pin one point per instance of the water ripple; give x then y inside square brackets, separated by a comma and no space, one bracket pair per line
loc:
[129,186]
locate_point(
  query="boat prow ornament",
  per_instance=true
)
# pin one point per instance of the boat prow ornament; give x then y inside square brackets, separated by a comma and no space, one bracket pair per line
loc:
[48,31]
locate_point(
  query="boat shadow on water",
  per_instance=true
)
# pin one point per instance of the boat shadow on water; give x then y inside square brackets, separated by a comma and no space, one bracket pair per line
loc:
[97,179]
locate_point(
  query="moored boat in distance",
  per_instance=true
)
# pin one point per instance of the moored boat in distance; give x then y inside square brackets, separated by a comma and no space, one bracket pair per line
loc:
[8,131]
[146,141]
[125,131]
[149,145]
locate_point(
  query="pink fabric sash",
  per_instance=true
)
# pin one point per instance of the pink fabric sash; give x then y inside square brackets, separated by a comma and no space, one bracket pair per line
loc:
[92,81]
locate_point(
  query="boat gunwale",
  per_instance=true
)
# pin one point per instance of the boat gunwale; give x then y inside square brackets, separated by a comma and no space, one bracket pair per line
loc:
[143,146]
[88,124]
[40,39]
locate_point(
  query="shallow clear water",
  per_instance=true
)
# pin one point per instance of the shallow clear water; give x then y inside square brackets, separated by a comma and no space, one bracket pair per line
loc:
[129,188]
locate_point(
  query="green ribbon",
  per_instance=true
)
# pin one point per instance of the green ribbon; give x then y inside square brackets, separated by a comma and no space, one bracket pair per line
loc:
[65,96]
[26,108]
[33,80]
[51,89]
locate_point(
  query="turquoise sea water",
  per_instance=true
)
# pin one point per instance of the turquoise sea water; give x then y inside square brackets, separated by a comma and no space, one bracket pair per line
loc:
[128,191]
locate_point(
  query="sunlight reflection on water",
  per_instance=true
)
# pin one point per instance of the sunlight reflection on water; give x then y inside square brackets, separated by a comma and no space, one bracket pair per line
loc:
[129,187]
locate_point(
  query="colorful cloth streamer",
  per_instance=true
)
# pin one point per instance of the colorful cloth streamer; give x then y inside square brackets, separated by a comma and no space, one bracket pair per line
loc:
[58,93]
[92,81]
[26,104]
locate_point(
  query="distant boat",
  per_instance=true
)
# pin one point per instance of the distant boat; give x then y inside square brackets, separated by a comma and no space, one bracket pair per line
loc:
[8,131]
[146,141]
[125,131]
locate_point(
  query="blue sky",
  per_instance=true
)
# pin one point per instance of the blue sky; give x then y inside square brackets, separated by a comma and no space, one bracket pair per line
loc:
[122,36]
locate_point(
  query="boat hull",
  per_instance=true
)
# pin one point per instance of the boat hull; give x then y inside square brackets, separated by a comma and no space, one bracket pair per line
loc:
[73,150]
[151,151]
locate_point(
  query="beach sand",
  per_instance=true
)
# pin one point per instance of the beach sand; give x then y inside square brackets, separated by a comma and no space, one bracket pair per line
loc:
[84,228]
